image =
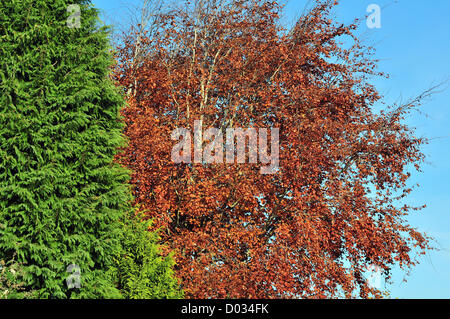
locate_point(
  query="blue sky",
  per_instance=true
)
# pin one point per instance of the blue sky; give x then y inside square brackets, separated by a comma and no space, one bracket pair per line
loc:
[413,45]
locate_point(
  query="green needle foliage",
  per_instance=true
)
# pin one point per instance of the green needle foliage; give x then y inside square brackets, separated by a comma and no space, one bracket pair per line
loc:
[63,200]
[142,271]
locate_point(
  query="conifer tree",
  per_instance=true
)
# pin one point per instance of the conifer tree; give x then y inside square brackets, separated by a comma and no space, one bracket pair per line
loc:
[63,200]
[142,273]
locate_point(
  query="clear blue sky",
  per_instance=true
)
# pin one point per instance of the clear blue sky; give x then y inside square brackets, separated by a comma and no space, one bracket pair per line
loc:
[413,44]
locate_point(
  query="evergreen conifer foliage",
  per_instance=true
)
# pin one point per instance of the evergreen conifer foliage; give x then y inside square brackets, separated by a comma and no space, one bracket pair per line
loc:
[62,197]
[142,273]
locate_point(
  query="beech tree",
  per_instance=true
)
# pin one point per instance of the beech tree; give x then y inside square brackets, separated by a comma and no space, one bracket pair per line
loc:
[331,210]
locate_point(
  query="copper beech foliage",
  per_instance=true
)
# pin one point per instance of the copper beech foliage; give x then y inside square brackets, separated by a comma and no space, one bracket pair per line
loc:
[332,209]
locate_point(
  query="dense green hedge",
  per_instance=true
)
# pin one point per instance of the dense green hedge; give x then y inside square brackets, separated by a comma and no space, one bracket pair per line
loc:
[63,200]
